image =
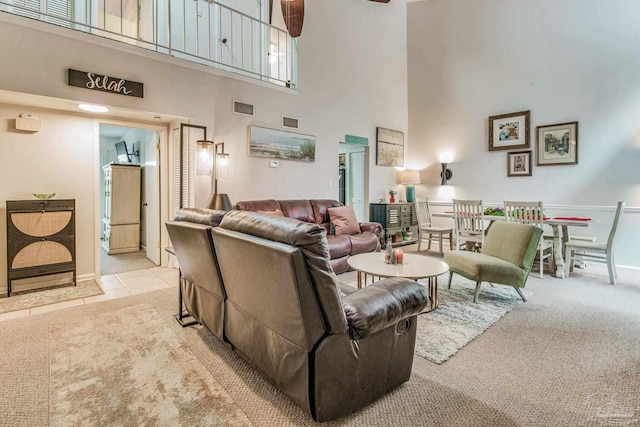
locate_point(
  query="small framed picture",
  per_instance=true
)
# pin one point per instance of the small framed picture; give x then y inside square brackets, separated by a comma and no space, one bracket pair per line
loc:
[519,163]
[557,144]
[509,131]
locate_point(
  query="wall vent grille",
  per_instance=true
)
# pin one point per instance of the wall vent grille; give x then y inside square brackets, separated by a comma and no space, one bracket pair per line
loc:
[242,108]
[289,122]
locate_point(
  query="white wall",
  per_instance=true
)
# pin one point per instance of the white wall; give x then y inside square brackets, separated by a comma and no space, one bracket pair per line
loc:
[352,78]
[569,60]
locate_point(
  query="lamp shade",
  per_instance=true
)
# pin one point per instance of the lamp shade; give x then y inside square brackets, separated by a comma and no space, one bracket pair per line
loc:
[409,177]
[220,202]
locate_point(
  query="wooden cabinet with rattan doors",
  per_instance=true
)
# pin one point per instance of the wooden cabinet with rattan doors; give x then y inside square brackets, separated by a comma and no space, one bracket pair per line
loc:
[121,221]
[41,244]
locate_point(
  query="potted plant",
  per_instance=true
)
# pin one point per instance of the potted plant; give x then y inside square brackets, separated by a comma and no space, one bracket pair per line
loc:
[392,194]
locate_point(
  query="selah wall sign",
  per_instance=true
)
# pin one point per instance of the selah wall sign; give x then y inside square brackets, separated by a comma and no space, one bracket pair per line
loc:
[102,83]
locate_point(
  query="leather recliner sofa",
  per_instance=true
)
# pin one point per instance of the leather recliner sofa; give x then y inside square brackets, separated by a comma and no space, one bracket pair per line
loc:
[284,313]
[315,211]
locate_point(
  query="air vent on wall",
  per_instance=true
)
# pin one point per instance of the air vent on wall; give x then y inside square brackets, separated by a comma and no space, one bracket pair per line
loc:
[289,122]
[242,108]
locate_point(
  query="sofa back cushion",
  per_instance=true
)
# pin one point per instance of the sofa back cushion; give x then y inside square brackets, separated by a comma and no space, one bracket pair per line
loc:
[298,268]
[297,209]
[258,205]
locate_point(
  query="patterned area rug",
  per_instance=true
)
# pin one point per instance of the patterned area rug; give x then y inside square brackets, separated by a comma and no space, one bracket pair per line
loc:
[458,320]
[86,288]
[127,367]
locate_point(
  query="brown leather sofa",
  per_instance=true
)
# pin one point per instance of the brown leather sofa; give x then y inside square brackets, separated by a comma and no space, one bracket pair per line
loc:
[284,313]
[315,212]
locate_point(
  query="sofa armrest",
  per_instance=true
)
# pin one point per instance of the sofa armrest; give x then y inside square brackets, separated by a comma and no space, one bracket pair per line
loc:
[383,304]
[374,227]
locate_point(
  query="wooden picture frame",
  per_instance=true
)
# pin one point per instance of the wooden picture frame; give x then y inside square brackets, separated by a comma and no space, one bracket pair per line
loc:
[509,131]
[281,144]
[519,163]
[557,144]
[389,147]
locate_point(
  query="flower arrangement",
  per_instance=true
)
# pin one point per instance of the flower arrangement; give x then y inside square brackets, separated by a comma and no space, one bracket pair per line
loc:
[392,194]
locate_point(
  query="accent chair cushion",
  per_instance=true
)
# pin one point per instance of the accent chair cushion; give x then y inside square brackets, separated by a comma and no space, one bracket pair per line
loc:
[344,220]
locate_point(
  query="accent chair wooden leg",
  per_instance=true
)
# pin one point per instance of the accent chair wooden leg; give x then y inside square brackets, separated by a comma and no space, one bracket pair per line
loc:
[451,241]
[520,293]
[475,295]
[450,277]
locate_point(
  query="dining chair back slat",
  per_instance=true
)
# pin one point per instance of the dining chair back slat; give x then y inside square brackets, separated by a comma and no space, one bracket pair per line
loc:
[468,223]
[530,213]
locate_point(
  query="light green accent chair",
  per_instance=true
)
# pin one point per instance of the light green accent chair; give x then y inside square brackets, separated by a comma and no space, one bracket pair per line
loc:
[506,258]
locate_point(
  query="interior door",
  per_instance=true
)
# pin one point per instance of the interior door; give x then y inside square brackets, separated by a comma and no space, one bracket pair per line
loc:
[151,197]
[355,183]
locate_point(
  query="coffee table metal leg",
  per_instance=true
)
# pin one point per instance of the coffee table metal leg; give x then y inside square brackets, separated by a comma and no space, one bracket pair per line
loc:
[432,286]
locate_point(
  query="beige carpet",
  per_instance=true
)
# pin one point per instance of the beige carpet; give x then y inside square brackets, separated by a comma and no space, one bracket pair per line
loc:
[84,289]
[570,356]
[126,367]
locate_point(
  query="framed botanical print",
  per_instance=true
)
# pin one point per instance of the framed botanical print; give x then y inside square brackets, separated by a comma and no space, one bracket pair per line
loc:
[509,131]
[519,163]
[389,147]
[557,144]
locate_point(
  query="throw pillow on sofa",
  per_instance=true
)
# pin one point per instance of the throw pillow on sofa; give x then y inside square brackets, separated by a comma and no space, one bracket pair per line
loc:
[344,220]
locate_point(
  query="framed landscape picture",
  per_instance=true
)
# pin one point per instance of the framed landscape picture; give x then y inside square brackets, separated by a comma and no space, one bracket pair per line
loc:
[557,144]
[389,147]
[519,163]
[280,144]
[509,131]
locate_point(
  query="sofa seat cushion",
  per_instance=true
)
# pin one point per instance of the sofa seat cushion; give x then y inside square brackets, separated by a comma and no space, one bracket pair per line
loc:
[485,268]
[363,243]
[339,246]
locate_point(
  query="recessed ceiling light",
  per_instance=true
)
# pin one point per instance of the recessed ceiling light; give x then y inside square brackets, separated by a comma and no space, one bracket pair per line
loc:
[93,108]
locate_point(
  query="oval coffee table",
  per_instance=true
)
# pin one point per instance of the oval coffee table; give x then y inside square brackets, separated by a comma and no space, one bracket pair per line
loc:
[414,267]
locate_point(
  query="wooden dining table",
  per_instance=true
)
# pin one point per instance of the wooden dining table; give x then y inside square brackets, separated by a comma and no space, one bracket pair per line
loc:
[559,227]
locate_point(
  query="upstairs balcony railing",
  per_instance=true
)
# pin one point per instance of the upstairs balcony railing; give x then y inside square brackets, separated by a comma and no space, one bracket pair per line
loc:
[206,32]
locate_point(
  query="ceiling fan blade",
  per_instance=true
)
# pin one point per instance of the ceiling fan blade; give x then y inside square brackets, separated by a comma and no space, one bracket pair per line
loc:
[381,1]
[293,14]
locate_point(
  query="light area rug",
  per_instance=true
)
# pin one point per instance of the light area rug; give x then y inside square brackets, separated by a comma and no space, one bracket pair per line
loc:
[127,367]
[458,320]
[83,289]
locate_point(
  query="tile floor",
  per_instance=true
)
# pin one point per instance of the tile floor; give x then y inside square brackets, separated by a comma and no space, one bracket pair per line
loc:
[114,286]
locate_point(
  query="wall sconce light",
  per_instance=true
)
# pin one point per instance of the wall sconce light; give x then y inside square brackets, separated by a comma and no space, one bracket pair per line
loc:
[220,172]
[446,174]
[408,178]
[204,158]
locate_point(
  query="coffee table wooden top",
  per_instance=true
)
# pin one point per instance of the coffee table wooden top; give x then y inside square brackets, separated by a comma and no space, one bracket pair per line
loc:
[414,266]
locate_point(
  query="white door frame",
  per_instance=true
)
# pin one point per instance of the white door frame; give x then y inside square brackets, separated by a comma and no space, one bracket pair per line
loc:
[163,166]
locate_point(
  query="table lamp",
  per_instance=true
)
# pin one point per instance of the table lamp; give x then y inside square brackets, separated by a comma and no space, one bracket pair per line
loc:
[408,178]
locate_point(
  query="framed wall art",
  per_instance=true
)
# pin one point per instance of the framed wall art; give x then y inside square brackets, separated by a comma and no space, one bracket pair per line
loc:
[557,144]
[519,163]
[281,144]
[509,131]
[389,147]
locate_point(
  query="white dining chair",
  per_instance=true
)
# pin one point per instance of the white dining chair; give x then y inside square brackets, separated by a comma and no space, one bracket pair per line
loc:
[597,252]
[428,232]
[531,213]
[468,224]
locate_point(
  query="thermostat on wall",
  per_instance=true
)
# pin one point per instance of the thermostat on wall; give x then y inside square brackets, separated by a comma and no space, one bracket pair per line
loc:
[28,122]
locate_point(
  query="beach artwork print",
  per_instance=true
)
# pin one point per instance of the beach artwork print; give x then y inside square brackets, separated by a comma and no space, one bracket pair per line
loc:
[279,144]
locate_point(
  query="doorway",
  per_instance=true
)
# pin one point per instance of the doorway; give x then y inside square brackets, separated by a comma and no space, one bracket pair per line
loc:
[353,177]
[129,214]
